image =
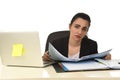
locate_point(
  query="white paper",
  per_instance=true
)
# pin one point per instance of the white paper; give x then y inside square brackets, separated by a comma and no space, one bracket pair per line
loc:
[113,64]
[84,65]
[55,55]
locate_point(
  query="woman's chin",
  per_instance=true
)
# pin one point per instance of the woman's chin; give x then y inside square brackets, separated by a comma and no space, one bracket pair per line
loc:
[78,39]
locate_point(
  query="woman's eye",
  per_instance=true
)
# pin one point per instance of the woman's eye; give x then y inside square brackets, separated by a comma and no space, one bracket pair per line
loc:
[85,29]
[77,26]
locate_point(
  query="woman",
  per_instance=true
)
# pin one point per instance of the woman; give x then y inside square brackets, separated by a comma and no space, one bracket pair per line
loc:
[77,44]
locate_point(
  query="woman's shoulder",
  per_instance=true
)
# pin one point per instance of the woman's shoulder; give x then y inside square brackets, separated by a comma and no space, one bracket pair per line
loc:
[60,41]
[66,38]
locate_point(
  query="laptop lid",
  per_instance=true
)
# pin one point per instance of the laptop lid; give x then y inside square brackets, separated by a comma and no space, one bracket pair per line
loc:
[21,49]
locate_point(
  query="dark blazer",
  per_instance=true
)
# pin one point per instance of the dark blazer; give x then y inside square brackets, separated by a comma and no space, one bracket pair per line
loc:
[88,46]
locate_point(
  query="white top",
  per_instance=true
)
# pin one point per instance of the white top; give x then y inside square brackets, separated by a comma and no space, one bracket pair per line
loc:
[76,56]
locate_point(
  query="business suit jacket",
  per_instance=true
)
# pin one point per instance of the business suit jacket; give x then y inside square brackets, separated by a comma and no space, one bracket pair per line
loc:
[88,46]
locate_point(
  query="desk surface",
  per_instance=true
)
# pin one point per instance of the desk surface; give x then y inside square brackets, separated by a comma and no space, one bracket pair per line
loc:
[48,73]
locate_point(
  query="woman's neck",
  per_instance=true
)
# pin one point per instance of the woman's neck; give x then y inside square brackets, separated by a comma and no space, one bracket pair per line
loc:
[73,47]
[74,43]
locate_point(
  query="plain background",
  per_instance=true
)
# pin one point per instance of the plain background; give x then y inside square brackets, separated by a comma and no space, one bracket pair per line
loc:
[47,16]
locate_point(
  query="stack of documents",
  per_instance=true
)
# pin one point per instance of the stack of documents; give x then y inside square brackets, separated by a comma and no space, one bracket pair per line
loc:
[56,55]
[89,62]
[90,65]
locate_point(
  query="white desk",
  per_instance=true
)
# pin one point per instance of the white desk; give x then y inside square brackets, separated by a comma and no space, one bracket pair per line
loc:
[48,73]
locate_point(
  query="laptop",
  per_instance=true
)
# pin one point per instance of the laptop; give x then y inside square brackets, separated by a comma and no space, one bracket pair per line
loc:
[21,49]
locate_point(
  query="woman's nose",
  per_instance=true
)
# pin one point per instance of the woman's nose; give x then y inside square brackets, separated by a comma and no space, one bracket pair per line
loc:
[79,31]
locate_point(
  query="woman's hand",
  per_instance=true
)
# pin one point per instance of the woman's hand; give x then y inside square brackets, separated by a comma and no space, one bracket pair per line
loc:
[108,57]
[46,57]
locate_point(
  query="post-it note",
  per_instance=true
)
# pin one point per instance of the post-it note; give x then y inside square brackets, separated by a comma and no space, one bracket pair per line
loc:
[17,50]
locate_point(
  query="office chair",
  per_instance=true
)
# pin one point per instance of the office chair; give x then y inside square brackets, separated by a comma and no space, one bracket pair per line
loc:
[55,35]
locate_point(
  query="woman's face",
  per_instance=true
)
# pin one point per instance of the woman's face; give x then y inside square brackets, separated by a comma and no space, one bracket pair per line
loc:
[78,29]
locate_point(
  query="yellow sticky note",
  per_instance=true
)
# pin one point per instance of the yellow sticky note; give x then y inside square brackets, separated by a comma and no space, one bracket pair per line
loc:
[17,50]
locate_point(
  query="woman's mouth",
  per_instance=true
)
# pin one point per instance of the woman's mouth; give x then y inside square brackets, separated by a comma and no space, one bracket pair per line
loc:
[78,36]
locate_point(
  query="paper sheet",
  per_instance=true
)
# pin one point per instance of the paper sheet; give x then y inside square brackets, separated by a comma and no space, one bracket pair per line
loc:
[113,64]
[84,65]
[55,55]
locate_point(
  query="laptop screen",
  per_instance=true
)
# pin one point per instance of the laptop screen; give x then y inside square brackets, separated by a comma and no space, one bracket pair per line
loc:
[20,48]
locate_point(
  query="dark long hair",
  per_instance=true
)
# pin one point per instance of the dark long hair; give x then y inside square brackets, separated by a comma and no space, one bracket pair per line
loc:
[81,15]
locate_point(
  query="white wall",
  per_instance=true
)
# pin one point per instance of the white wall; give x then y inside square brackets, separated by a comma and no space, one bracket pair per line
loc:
[47,16]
